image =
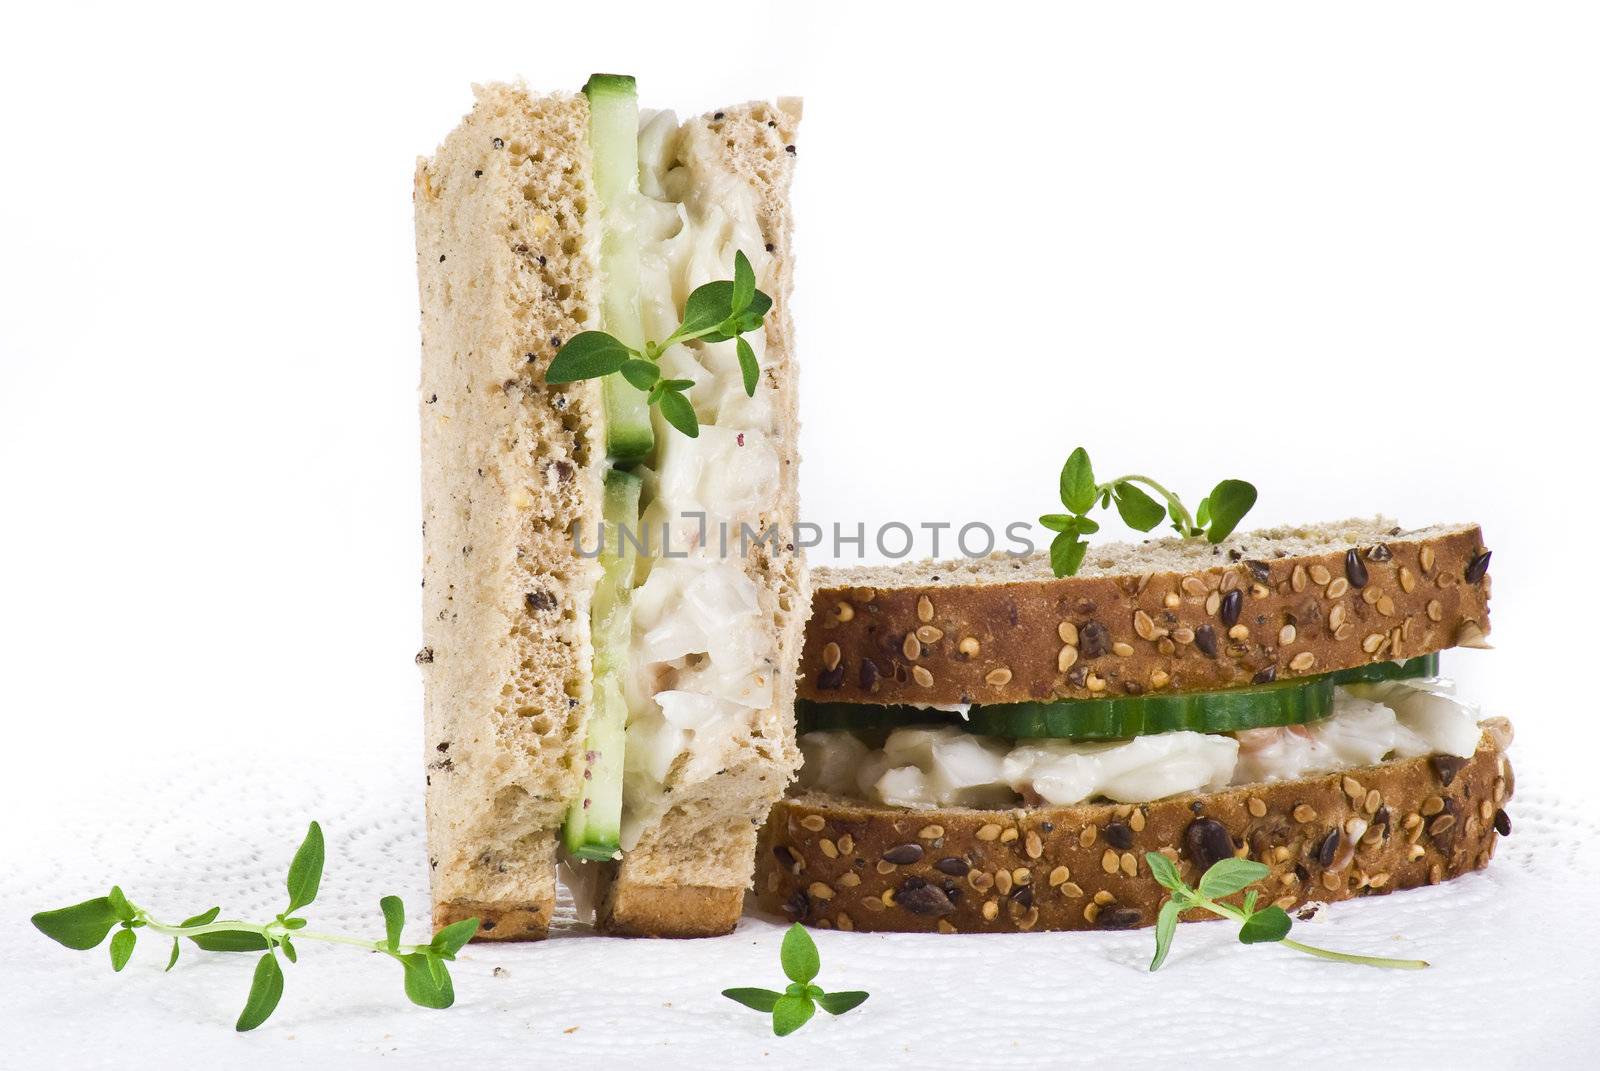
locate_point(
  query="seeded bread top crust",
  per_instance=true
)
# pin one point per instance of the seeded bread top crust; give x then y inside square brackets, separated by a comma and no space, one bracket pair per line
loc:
[832,862]
[1168,615]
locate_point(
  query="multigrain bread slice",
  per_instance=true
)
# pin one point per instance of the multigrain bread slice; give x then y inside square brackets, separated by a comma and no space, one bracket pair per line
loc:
[1166,615]
[507,242]
[838,863]
[688,875]
[507,234]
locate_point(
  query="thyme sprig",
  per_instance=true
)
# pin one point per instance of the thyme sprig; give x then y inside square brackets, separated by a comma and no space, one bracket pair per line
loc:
[795,1006]
[1218,514]
[1263,925]
[715,312]
[427,979]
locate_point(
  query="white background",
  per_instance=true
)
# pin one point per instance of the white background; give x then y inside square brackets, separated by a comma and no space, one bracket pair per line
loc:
[1345,251]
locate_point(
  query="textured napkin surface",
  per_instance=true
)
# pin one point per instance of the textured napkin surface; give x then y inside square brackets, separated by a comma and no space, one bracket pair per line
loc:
[1515,980]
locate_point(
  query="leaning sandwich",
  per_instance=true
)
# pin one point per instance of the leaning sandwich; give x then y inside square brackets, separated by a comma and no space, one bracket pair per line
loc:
[608,388]
[990,747]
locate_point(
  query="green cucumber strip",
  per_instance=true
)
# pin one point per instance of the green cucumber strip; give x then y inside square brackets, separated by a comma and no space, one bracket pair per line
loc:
[614,143]
[1253,707]
[594,819]
[1421,666]
[1290,702]
[620,85]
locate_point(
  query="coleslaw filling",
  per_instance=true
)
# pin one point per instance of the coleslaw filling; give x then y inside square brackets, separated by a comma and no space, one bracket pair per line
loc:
[944,766]
[700,661]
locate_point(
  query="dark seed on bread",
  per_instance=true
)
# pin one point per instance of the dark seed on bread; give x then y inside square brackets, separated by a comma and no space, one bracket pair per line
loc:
[798,906]
[1118,918]
[1231,602]
[902,854]
[1446,767]
[1329,848]
[924,900]
[1477,568]
[1207,842]
[1092,642]
[1355,570]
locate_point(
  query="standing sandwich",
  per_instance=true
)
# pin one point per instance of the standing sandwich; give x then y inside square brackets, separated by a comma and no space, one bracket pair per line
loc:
[991,747]
[602,672]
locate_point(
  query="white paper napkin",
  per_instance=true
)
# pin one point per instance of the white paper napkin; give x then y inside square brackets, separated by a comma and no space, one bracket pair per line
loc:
[1515,981]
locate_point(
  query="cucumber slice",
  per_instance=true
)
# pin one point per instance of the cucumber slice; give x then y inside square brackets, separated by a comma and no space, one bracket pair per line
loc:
[1421,666]
[594,820]
[1116,718]
[1290,702]
[614,142]
[1281,703]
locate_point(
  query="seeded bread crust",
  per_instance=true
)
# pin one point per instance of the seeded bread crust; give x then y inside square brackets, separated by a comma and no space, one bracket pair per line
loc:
[831,862]
[1169,615]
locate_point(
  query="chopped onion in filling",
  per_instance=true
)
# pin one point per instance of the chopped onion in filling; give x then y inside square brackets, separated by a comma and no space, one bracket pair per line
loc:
[1127,771]
[701,660]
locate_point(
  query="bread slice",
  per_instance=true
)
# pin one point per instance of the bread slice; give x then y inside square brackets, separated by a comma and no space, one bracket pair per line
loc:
[507,235]
[507,253]
[1166,615]
[688,875]
[854,866]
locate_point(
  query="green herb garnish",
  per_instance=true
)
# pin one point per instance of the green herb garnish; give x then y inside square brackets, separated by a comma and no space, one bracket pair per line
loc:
[1256,925]
[795,1006]
[715,312]
[427,979]
[1218,514]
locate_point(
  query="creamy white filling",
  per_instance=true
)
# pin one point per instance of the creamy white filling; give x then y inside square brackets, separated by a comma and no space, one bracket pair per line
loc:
[947,767]
[701,658]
